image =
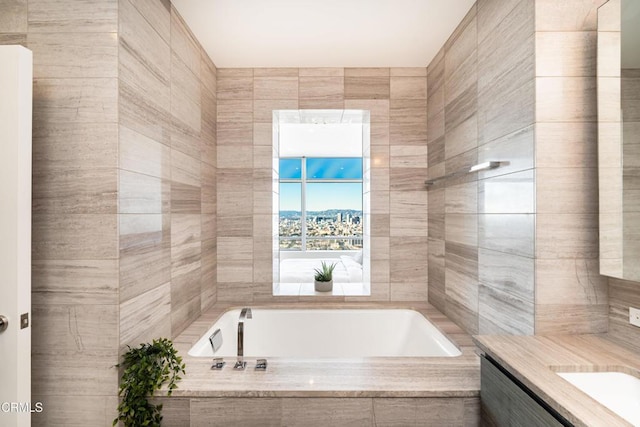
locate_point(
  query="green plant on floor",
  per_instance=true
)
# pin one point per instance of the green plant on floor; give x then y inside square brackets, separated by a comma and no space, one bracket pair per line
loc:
[325,274]
[146,369]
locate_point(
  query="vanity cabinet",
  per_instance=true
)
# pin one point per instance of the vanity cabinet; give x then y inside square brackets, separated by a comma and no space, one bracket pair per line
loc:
[506,402]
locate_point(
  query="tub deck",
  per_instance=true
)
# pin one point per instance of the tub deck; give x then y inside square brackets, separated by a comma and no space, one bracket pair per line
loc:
[444,377]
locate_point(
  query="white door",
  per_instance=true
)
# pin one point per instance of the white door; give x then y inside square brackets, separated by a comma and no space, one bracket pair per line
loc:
[15,235]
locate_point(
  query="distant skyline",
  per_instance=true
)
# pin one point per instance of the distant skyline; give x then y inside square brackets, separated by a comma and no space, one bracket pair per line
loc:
[322,196]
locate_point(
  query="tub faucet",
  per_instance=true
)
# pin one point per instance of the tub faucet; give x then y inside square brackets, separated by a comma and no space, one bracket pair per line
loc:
[245,313]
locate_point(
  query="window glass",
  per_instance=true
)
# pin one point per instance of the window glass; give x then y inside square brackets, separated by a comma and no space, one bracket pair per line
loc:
[290,168]
[290,221]
[334,168]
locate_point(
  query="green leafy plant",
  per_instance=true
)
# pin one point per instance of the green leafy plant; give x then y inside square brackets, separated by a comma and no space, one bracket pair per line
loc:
[324,274]
[146,369]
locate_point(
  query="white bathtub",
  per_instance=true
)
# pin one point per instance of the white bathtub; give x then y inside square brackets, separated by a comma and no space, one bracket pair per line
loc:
[323,333]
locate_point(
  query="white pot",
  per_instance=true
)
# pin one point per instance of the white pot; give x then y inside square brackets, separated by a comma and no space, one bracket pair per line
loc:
[324,286]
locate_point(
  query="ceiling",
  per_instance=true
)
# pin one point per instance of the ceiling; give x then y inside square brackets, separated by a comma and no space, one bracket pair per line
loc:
[322,33]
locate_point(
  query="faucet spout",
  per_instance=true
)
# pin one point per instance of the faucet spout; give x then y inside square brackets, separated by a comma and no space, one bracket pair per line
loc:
[245,313]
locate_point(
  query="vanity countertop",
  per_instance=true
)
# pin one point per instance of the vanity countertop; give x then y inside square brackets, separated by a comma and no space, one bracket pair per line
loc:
[534,360]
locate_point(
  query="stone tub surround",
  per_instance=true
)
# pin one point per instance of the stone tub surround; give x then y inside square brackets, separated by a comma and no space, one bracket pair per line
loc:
[444,391]
[534,360]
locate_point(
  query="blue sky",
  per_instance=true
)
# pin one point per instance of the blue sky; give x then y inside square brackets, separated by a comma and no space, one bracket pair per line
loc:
[322,196]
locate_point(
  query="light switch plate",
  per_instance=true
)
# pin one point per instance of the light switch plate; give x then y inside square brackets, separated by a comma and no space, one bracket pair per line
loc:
[634,316]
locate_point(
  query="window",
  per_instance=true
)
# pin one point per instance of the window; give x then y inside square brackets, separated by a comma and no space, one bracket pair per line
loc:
[321,203]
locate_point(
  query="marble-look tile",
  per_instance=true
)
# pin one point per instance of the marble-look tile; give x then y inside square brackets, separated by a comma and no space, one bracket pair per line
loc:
[435,73]
[75,411]
[570,15]
[263,110]
[235,291]
[235,83]
[138,153]
[504,313]
[184,43]
[622,295]
[435,125]
[139,324]
[408,156]
[234,157]
[408,72]
[235,248]
[461,198]
[321,72]
[436,273]
[208,73]
[235,271]
[80,191]
[47,16]
[566,54]
[405,412]
[70,55]
[185,109]
[158,14]
[81,282]
[379,156]
[234,133]
[460,57]
[514,150]
[184,169]
[461,137]
[208,189]
[62,374]
[407,179]
[492,12]
[176,412]
[577,280]
[227,411]
[408,87]
[462,228]
[233,204]
[505,194]
[464,312]
[142,194]
[507,273]
[566,99]
[608,48]
[234,180]
[184,315]
[263,134]
[234,110]
[320,90]
[185,198]
[571,318]
[566,236]
[566,190]
[435,155]
[276,72]
[380,225]
[75,329]
[332,411]
[408,202]
[407,259]
[75,100]
[408,291]
[407,122]
[408,225]
[13,16]
[144,253]
[78,236]
[378,108]
[379,134]
[509,233]
[366,83]
[275,87]
[13,38]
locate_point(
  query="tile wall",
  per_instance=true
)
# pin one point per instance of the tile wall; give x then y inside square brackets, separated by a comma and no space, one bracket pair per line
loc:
[124,240]
[515,250]
[396,98]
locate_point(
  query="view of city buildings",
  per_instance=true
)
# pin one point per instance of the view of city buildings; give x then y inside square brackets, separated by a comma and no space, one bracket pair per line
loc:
[328,230]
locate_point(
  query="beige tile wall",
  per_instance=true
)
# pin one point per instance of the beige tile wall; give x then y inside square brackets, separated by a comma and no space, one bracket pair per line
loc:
[571,296]
[396,98]
[515,250]
[124,183]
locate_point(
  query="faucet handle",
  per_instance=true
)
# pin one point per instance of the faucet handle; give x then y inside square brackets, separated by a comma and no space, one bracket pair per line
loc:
[218,363]
[261,365]
[240,365]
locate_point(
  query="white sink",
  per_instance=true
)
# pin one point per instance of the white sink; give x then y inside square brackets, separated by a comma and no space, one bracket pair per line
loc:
[617,391]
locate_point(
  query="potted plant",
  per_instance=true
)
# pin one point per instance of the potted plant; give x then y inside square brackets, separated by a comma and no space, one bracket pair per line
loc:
[146,369]
[324,277]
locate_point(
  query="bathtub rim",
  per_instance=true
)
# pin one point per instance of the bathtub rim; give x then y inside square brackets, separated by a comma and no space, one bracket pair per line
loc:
[457,376]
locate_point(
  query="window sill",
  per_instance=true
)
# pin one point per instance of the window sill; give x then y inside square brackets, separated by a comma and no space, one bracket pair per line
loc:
[307,289]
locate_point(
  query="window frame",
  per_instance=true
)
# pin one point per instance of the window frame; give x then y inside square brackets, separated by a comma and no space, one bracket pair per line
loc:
[303,181]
